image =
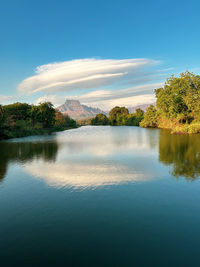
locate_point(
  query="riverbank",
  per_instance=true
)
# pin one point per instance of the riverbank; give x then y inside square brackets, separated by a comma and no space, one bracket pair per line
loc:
[176,127]
[21,120]
[33,132]
[193,128]
[177,105]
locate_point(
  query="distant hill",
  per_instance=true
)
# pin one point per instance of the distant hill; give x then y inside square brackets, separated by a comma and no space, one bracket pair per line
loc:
[143,107]
[78,111]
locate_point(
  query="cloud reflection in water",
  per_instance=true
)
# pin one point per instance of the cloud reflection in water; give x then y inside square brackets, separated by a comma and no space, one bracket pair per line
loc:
[95,156]
[80,175]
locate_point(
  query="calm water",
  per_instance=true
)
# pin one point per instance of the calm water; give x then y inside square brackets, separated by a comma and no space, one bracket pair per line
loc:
[100,196]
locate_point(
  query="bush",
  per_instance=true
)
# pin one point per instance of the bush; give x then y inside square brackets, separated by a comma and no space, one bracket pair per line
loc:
[192,128]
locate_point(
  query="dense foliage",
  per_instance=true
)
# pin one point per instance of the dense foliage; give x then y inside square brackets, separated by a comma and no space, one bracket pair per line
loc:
[180,97]
[100,119]
[21,119]
[135,118]
[150,118]
[44,113]
[85,121]
[119,116]
[177,105]
[63,121]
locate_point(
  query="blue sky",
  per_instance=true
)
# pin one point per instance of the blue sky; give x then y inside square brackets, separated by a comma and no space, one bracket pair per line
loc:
[162,35]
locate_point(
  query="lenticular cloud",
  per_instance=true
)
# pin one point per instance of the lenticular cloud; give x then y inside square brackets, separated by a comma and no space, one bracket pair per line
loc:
[82,74]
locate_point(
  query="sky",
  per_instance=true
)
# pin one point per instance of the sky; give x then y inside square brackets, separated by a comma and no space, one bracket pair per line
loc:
[102,53]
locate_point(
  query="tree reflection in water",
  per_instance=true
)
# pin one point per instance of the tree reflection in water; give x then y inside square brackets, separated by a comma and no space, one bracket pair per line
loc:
[24,152]
[181,152]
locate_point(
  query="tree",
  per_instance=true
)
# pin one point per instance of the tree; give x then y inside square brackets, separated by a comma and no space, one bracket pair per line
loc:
[131,120]
[69,121]
[117,115]
[100,119]
[139,113]
[46,114]
[139,116]
[1,114]
[180,97]
[17,111]
[59,119]
[150,118]
[35,114]
[21,119]
[1,119]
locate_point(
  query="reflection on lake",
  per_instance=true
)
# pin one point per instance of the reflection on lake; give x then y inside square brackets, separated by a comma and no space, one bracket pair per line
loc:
[25,152]
[87,157]
[95,156]
[100,196]
[181,152]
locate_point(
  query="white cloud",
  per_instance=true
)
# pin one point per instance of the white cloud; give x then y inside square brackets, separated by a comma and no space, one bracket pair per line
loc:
[107,99]
[83,74]
[127,101]
[5,99]
[104,95]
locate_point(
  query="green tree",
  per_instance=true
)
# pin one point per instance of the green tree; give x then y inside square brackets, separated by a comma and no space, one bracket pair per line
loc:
[100,119]
[46,114]
[131,120]
[118,115]
[17,111]
[139,116]
[1,120]
[180,97]
[35,114]
[1,113]
[71,123]
[60,120]
[139,113]
[150,118]
[21,119]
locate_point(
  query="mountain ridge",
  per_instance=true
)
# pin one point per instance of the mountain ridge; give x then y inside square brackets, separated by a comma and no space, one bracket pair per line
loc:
[76,110]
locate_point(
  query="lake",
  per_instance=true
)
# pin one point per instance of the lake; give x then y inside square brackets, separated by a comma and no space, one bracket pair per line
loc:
[100,196]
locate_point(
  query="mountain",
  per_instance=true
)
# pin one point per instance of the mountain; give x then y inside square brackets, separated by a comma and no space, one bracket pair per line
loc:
[78,111]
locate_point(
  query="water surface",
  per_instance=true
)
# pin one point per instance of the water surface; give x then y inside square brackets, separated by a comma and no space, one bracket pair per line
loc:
[100,196]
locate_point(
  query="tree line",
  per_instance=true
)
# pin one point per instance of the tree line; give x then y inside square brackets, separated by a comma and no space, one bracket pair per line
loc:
[177,105]
[177,108]
[119,116]
[22,119]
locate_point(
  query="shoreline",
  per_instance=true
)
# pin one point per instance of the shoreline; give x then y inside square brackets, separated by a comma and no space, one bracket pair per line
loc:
[42,132]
